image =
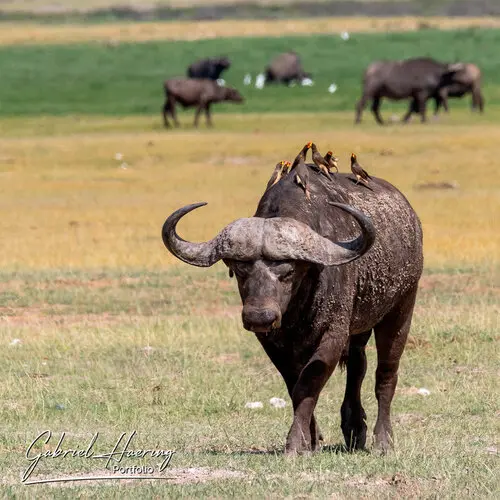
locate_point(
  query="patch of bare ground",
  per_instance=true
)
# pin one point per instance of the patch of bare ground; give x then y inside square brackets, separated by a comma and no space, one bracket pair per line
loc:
[188,475]
[397,484]
[44,317]
[37,316]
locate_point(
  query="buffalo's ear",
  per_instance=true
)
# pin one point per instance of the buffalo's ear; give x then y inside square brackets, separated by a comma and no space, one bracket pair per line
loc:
[231,272]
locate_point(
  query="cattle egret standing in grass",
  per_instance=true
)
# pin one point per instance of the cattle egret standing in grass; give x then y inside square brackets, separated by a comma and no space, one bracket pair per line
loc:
[221,82]
[248,79]
[344,35]
[307,82]
[260,81]
[332,88]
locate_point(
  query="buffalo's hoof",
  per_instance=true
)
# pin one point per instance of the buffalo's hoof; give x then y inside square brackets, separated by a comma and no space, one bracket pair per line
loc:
[297,447]
[383,443]
[355,437]
[353,426]
[293,452]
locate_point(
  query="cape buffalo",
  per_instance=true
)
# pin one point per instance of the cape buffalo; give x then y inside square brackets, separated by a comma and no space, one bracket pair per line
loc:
[313,289]
[195,93]
[210,68]
[418,79]
[464,81]
[285,68]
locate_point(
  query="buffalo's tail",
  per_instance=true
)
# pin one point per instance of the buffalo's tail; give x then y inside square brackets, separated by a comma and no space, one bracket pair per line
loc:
[344,357]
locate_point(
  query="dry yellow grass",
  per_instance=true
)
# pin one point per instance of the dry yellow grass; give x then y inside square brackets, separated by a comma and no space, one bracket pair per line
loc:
[30,33]
[67,203]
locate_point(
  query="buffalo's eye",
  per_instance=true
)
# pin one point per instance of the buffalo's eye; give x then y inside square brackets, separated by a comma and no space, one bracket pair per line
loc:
[283,270]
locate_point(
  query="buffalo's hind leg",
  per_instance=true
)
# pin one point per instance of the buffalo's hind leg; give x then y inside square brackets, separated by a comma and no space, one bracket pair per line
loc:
[390,337]
[352,413]
[360,106]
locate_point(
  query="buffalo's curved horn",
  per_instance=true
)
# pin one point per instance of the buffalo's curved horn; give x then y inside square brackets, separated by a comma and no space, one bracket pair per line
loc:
[355,248]
[197,254]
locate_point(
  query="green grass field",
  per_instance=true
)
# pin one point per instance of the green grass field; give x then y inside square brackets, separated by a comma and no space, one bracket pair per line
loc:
[127,79]
[102,330]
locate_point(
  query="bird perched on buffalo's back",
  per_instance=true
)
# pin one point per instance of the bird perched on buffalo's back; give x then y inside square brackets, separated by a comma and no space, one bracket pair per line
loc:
[320,162]
[281,169]
[301,177]
[333,161]
[360,173]
[301,156]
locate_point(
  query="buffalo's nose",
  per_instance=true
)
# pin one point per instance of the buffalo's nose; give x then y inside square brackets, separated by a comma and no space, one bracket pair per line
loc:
[260,319]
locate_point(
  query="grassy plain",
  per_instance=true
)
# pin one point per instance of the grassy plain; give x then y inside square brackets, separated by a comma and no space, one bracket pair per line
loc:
[96,78]
[103,331]
[114,337]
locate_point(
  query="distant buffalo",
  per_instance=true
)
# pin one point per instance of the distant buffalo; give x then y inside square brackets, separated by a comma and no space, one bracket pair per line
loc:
[416,79]
[201,94]
[285,68]
[210,68]
[467,80]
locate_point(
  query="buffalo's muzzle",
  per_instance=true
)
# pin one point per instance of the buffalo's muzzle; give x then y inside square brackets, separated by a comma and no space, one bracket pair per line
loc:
[261,319]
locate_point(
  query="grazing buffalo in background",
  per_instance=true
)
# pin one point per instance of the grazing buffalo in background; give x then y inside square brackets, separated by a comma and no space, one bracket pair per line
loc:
[416,79]
[285,68]
[195,93]
[313,288]
[467,80]
[210,68]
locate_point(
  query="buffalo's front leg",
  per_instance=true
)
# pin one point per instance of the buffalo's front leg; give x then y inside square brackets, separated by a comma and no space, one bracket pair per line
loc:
[376,110]
[352,413]
[199,109]
[283,361]
[390,337]
[208,115]
[165,111]
[311,381]
[413,108]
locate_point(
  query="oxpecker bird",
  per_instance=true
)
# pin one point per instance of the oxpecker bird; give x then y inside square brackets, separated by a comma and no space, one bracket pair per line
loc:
[333,161]
[302,155]
[302,177]
[360,173]
[320,162]
[280,170]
